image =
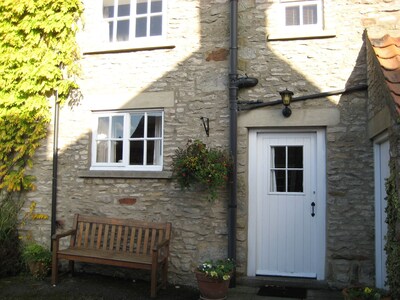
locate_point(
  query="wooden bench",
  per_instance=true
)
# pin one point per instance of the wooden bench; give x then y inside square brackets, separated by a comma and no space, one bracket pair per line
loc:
[116,242]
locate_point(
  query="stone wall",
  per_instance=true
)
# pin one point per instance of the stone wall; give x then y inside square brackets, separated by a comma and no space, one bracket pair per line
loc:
[193,67]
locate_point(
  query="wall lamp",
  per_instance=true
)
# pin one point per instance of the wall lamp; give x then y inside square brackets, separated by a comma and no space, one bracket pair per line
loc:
[286,96]
[206,125]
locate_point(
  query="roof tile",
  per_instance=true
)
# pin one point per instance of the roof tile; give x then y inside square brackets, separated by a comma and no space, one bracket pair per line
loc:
[387,51]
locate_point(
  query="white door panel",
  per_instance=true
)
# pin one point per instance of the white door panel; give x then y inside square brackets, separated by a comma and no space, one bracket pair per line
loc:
[287,239]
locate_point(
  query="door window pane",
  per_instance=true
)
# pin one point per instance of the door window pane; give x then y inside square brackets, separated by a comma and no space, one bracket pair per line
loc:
[295,181]
[278,181]
[295,157]
[279,157]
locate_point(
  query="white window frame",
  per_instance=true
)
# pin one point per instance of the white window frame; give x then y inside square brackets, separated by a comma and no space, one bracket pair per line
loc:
[301,4]
[124,164]
[133,16]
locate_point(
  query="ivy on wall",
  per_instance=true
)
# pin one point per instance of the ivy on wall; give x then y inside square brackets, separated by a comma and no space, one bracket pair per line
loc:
[38,55]
[392,246]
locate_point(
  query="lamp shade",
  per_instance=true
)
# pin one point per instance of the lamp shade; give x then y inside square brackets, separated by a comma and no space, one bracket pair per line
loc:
[286,96]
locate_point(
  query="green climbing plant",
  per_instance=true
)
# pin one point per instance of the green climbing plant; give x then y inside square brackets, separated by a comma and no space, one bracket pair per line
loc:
[38,55]
[392,246]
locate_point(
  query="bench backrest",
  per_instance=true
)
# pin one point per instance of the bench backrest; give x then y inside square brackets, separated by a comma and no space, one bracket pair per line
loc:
[118,235]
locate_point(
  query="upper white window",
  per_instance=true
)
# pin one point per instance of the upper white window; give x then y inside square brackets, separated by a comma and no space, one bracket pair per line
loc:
[128,141]
[132,19]
[304,13]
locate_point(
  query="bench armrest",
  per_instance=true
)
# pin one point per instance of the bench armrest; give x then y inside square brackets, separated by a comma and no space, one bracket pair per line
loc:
[163,244]
[58,236]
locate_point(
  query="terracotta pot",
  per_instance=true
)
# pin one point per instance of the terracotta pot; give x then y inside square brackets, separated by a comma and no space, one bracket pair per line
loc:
[38,269]
[212,288]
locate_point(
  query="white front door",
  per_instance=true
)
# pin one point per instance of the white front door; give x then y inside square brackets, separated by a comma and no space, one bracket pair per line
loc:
[381,173]
[288,205]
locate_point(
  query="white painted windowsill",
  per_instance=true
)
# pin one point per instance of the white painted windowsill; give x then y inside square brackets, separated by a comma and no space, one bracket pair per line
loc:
[126,174]
[295,35]
[101,48]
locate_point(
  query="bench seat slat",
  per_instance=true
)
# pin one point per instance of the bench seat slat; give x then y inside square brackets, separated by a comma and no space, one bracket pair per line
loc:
[107,255]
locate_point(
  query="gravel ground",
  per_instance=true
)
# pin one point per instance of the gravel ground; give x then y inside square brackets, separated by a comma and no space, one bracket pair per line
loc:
[89,287]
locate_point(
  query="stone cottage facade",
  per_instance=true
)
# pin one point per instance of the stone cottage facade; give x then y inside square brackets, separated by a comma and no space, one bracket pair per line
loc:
[152,69]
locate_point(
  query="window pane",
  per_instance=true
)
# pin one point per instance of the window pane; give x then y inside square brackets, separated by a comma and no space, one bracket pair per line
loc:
[154,126]
[123,30]
[110,31]
[279,157]
[108,11]
[295,181]
[292,15]
[150,153]
[102,152]
[117,127]
[310,14]
[137,126]
[116,151]
[295,157]
[141,7]
[102,127]
[156,6]
[141,27]
[124,10]
[155,25]
[278,181]
[136,153]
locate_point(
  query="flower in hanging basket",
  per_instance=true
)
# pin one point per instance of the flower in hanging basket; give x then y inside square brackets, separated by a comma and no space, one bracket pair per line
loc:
[196,163]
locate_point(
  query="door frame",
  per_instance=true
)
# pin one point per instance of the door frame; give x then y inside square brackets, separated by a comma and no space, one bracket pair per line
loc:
[380,256]
[320,195]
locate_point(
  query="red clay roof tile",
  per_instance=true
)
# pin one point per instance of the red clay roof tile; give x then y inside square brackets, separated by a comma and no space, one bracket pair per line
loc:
[387,51]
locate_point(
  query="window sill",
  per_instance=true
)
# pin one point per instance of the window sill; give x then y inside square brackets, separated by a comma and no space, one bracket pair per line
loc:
[126,174]
[125,47]
[301,35]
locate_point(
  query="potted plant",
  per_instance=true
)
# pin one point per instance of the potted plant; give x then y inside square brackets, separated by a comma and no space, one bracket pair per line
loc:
[197,163]
[38,259]
[213,278]
[365,293]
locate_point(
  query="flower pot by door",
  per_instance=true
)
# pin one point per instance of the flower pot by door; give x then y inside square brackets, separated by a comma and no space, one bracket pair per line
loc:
[212,288]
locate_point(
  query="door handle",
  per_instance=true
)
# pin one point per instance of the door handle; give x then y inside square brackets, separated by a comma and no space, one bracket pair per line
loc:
[312,209]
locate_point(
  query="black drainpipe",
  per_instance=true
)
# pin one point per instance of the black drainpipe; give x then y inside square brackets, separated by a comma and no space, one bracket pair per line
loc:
[55,167]
[233,91]
[235,83]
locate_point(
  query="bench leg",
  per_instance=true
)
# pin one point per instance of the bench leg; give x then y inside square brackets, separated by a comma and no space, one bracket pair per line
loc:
[164,274]
[71,265]
[153,284]
[54,271]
